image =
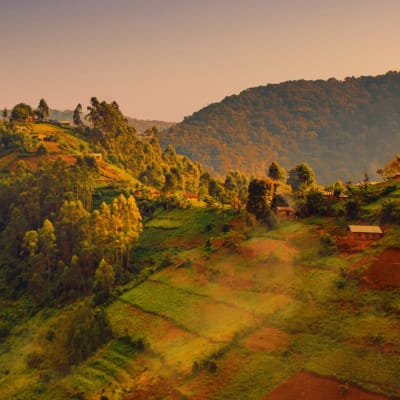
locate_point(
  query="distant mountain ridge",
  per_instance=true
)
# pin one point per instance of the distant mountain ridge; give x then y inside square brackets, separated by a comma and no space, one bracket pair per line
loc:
[341,128]
[140,125]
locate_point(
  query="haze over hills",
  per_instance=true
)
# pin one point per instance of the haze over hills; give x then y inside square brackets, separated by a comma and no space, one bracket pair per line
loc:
[341,128]
[140,125]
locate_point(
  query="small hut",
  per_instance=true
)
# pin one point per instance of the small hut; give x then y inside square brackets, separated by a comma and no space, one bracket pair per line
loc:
[365,232]
[284,212]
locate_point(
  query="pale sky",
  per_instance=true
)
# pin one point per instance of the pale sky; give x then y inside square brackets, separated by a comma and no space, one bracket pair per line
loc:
[165,59]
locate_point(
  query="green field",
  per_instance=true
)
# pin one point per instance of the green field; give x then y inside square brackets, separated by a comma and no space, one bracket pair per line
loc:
[199,313]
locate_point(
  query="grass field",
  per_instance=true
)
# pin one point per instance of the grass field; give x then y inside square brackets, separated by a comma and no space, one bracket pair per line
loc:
[234,317]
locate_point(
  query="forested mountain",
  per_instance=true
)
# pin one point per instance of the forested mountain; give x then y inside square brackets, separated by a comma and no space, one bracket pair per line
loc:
[341,128]
[141,125]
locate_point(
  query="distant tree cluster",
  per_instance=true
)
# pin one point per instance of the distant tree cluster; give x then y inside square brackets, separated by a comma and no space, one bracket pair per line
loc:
[23,112]
[339,127]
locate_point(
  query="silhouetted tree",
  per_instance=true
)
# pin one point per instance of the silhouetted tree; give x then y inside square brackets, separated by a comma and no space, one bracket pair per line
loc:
[77,115]
[43,111]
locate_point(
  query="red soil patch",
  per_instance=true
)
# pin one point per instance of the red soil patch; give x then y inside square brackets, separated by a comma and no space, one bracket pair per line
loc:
[347,245]
[154,388]
[52,147]
[384,272]
[206,384]
[307,386]
[264,248]
[185,243]
[362,262]
[267,339]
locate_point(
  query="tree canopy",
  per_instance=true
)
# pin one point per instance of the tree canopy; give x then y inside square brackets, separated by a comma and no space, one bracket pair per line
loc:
[318,121]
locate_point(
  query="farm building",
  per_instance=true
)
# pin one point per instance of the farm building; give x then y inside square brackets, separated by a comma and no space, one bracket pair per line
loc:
[286,212]
[365,232]
[191,196]
[97,156]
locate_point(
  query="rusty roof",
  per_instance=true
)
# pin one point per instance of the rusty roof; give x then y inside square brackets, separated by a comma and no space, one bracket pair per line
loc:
[285,208]
[365,229]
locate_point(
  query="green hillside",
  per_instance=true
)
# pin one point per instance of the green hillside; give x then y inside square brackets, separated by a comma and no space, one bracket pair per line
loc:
[231,315]
[127,272]
[341,128]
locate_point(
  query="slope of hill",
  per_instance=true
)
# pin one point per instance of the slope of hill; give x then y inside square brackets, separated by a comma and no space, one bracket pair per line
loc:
[253,313]
[140,125]
[342,128]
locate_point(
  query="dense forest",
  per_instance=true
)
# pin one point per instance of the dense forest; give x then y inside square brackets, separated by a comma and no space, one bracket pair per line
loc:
[64,217]
[341,128]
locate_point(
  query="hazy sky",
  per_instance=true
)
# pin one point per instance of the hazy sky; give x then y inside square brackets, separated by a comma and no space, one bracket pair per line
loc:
[164,59]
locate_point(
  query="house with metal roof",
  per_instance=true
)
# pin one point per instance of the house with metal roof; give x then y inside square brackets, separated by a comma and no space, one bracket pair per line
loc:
[365,232]
[285,212]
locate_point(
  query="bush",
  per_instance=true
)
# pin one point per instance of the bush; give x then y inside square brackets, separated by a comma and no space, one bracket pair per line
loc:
[42,150]
[226,228]
[390,212]
[88,329]
[5,328]
[327,245]
[34,359]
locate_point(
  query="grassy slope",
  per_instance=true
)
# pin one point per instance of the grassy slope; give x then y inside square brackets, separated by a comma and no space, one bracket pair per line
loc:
[203,313]
[206,309]
[67,146]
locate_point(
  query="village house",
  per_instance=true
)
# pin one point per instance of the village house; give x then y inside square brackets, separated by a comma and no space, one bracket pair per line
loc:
[191,196]
[285,212]
[97,156]
[365,232]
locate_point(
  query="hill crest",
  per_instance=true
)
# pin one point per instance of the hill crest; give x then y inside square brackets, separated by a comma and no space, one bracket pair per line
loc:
[320,122]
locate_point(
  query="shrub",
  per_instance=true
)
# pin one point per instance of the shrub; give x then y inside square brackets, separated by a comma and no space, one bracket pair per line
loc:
[34,359]
[327,245]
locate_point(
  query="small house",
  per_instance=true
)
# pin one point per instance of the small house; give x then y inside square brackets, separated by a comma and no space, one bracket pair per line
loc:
[285,212]
[96,156]
[191,196]
[365,232]
[328,194]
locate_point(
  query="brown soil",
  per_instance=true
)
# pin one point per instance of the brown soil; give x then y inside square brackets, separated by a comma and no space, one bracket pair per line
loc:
[156,389]
[183,243]
[34,161]
[267,339]
[362,262]
[384,273]
[266,247]
[307,386]
[347,245]
[207,384]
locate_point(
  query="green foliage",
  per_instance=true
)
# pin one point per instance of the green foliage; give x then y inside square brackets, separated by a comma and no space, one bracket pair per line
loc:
[390,212]
[313,203]
[104,280]
[76,117]
[352,209]
[43,111]
[260,195]
[21,112]
[276,173]
[318,121]
[301,177]
[327,245]
[87,329]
